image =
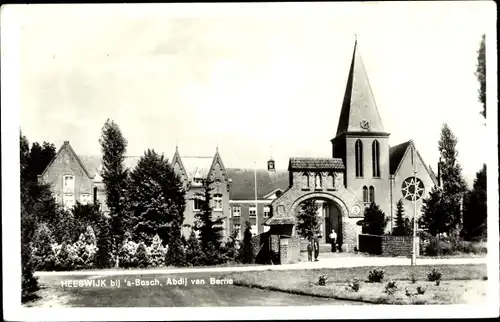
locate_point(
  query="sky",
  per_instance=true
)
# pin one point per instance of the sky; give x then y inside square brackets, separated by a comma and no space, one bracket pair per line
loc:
[254,81]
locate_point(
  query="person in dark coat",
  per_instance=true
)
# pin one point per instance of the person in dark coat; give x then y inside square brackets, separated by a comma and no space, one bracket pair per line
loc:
[316,248]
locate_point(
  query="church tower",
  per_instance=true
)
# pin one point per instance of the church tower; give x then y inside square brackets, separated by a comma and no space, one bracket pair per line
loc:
[361,141]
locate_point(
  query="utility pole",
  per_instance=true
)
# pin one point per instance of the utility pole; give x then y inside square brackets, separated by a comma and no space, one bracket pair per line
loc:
[415,197]
[256,205]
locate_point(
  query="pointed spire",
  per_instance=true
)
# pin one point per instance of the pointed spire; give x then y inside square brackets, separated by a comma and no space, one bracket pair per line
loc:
[359,112]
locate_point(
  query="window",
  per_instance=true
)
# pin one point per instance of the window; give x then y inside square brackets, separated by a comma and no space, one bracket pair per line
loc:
[68,200]
[318,181]
[359,158]
[218,202]
[372,194]
[85,198]
[254,230]
[69,184]
[305,181]
[365,194]
[252,211]
[376,159]
[197,204]
[330,181]
[267,211]
[236,211]
[237,227]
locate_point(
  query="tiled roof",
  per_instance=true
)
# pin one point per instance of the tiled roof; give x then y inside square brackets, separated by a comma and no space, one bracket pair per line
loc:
[92,163]
[277,220]
[197,167]
[316,163]
[243,182]
[358,104]
[396,154]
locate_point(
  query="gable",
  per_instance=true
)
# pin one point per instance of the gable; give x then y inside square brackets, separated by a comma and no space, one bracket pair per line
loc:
[411,161]
[396,154]
[66,160]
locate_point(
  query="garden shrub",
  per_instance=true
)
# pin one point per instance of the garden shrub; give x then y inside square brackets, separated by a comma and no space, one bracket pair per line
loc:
[353,285]
[376,276]
[127,254]
[413,278]
[65,258]
[434,275]
[157,252]
[42,254]
[391,287]
[421,290]
[141,256]
[322,280]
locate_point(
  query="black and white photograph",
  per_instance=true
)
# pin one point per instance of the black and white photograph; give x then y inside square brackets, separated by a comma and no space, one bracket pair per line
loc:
[214,161]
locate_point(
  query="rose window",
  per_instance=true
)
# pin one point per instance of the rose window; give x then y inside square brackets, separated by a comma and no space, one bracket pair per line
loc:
[412,189]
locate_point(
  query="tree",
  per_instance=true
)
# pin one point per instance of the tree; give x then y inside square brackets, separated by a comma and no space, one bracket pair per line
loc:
[142,256]
[157,252]
[401,228]
[246,251]
[114,176]
[156,198]
[308,223]
[374,221]
[453,183]
[475,208]
[194,253]
[103,258]
[24,157]
[39,158]
[481,74]
[209,229]
[436,208]
[41,249]
[176,255]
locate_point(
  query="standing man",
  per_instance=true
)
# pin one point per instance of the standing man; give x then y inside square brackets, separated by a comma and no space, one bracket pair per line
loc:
[316,248]
[333,239]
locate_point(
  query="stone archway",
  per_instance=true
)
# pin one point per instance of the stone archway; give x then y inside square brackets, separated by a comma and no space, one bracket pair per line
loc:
[332,215]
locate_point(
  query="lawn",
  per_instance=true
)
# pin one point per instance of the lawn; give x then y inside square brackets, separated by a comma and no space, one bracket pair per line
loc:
[460,284]
[54,294]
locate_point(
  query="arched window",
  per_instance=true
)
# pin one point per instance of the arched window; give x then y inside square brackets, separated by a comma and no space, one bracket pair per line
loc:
[218,201]
[95,194]
[318,181]
[330,181]
[372,194]
[359,158]
[365,194]
[305,181]
[376,159]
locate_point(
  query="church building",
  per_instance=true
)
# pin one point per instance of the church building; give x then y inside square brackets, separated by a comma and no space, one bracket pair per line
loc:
[363,168]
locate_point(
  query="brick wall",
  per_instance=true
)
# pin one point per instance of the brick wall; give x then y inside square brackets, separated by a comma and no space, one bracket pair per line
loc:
[289,250]
[385,245]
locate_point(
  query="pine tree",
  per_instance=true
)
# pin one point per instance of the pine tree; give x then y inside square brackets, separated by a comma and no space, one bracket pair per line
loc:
[103,258]
[436,217]
[39,158]
[453,183]
[246,251]
[475,208]
[194,253]
[141,255]
[374,221]
[157,199]
[24,157]
[399,229]
[308,223]
[209,229]
[176,255]
[114,176]
[157,252]
[42,255]
[481,74]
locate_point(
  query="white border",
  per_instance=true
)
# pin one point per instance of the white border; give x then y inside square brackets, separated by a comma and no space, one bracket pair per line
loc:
[11,197]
